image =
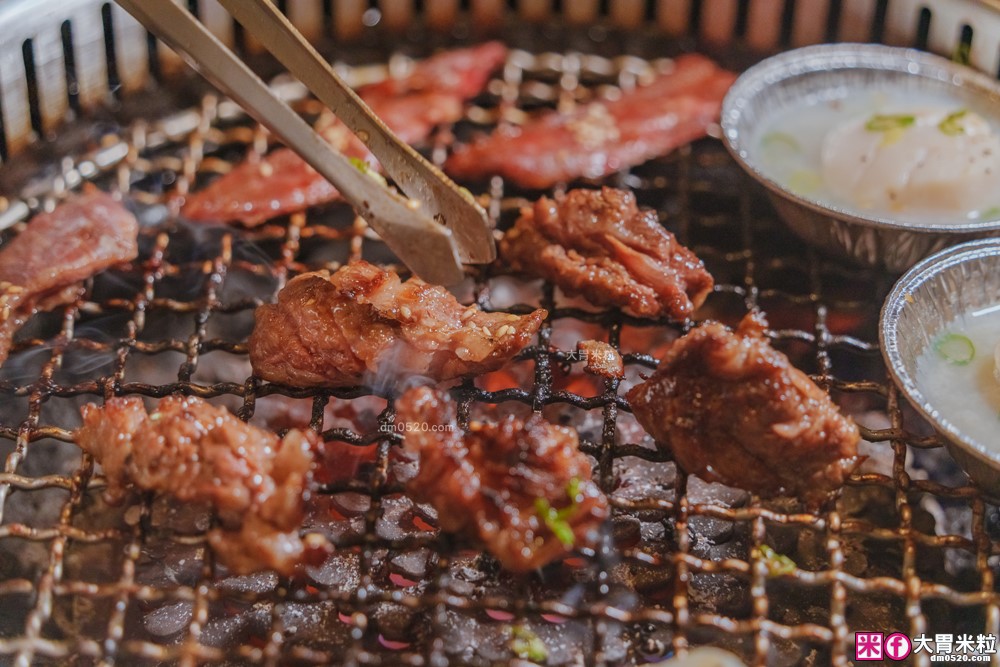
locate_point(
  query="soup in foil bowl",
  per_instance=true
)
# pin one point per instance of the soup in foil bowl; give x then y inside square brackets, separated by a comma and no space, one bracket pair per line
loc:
[879,154]
[940,337]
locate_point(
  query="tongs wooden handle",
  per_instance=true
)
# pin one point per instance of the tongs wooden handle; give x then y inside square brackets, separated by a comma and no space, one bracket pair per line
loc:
[433,232]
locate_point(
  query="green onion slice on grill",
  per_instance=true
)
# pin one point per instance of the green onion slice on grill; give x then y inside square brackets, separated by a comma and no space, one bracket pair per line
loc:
[777,564]
[558,520]
[527,645]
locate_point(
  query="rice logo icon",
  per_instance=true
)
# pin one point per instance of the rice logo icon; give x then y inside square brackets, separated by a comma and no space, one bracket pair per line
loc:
[897,646]
[868,646]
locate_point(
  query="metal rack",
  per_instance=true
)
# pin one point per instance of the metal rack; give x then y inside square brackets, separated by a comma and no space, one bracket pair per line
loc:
[681,565]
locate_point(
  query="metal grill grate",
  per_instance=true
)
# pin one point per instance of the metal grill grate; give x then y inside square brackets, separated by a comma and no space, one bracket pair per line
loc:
[82,582]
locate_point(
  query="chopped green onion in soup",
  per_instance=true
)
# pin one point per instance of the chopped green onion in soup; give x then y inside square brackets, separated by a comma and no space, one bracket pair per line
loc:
[805,182]
[958,377]
[955,349]
[889,152]
[885,123]
[952,123]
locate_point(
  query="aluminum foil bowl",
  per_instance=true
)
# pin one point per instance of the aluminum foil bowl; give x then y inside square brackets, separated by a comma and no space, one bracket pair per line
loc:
[925,300]
[830,70]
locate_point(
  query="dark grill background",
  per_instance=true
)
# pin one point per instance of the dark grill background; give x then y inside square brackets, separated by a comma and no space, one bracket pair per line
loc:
[84,583]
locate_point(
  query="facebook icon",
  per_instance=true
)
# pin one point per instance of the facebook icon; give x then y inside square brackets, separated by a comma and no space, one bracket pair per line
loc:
[897,646]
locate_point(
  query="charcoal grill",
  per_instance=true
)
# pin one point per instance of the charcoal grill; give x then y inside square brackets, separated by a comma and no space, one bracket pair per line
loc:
[88,96]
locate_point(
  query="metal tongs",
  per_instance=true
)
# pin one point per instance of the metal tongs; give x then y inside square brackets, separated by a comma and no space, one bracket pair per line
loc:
[437,229]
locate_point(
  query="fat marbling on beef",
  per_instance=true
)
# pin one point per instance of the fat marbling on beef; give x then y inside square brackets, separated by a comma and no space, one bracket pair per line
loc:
[732,409]
[603,136]
[599,244]
[43,266]
[411,106]
[197,452]
[523,489]
[363,322]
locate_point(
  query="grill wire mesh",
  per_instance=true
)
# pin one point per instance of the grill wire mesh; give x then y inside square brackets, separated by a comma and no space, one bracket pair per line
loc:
[910,546]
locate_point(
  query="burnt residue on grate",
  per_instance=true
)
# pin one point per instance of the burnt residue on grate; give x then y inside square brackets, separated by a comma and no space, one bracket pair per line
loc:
[682,563]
